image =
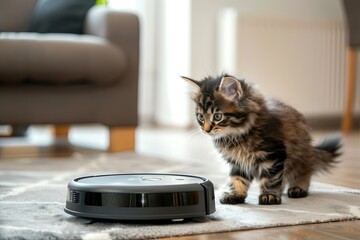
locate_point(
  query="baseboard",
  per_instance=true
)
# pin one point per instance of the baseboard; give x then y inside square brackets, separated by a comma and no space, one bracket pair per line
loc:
[332,122]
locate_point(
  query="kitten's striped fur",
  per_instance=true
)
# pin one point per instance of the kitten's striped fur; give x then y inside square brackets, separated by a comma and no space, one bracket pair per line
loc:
[260,138]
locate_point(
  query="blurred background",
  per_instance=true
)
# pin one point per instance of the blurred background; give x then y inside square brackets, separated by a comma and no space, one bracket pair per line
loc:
[295,51]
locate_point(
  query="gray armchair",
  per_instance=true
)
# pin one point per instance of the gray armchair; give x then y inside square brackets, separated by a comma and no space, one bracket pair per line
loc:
[67,79]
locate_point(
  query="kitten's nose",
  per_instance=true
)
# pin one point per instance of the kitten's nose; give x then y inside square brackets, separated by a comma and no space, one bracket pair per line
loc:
[207,127]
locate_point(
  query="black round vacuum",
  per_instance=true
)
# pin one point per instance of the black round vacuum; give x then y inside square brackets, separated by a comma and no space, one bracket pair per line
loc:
[140,196]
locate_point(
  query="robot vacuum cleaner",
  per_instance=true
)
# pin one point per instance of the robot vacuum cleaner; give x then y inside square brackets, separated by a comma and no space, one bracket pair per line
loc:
[140,196]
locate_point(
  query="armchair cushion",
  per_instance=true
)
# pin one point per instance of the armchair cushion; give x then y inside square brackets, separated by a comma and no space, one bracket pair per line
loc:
[59,59]
[60,16]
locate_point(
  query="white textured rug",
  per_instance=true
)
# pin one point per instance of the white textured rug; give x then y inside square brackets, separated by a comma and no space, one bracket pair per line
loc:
[33,192]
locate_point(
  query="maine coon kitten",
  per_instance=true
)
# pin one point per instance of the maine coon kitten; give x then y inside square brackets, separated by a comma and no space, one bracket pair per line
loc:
[260,138]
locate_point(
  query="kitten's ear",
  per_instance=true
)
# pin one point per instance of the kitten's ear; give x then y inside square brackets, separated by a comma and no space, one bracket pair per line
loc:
[193,83]
[230,87]
[195,88]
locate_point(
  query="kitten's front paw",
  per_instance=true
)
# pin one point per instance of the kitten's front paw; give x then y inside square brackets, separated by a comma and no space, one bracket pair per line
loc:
[269,199]
[228,198]
[296,192]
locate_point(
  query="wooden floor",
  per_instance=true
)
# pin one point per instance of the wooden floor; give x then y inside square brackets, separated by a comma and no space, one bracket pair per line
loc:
[326,231]
[345,174]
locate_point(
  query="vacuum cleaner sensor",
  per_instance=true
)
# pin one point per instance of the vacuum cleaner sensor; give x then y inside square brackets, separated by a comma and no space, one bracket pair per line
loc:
[140,196]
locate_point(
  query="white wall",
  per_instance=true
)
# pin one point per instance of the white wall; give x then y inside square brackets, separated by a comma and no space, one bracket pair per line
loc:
[172,59]
[164,56]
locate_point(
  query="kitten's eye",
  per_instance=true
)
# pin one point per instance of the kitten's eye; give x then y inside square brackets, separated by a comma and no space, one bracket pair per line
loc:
[200,117]
[217,116]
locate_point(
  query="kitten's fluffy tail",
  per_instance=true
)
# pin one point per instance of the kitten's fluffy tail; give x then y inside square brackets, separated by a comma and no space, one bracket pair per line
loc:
[326,152]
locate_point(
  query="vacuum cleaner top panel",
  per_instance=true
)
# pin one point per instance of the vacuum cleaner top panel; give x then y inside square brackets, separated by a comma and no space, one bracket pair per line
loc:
[138,183]
[140,179]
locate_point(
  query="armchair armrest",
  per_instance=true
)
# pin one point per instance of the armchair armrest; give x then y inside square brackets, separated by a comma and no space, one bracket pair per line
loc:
[120,28]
